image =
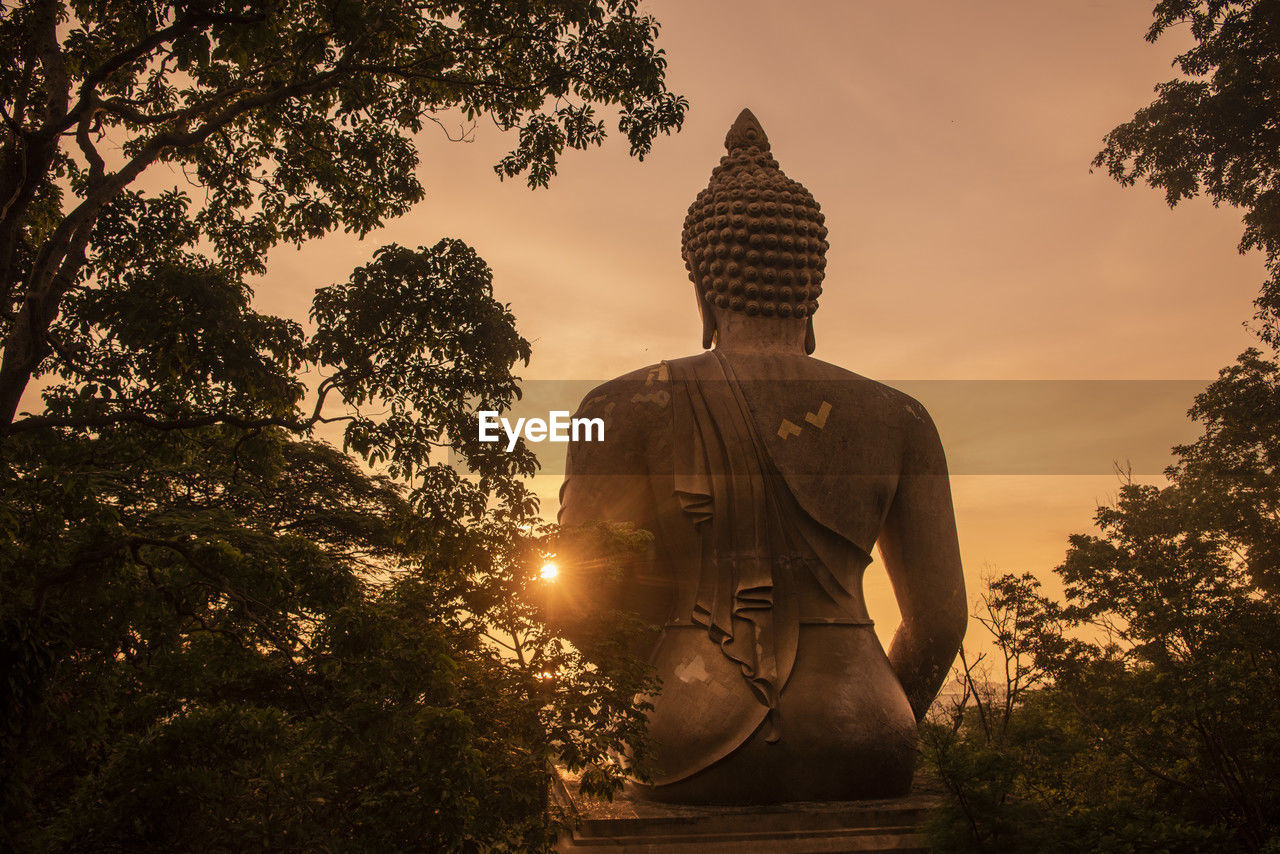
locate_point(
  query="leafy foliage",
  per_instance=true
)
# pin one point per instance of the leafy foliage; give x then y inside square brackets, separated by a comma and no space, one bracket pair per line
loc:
[294,118]
[1152,724]
[223,636]
[1231,475]
[1157,723]
[216,631]
[1215,130]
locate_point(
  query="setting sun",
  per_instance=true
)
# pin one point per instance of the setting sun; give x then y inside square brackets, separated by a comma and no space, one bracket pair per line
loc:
[549,572]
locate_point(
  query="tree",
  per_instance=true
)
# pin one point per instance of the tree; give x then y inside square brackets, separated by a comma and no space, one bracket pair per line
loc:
[1216,129]
[216,631]
[1231,474]
[224,636]
[293,118]
[246,684]
[1156,725]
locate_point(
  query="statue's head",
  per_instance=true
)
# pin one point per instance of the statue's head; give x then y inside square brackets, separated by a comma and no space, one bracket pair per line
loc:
[754,240]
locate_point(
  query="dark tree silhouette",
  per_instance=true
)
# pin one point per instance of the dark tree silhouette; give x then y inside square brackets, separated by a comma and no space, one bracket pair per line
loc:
[293,117]
[217,632]
[1215,130]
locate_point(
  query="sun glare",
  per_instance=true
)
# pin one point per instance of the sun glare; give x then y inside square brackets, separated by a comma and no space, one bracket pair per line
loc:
[549,572]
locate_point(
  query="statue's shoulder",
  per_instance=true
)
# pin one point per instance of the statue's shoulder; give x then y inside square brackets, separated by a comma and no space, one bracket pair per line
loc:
[631,402]
[891,404]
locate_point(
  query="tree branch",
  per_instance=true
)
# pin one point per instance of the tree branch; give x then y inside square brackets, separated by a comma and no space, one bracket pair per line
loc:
[294,425]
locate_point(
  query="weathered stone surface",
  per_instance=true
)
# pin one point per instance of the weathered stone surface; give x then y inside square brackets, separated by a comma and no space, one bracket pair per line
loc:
[767,477]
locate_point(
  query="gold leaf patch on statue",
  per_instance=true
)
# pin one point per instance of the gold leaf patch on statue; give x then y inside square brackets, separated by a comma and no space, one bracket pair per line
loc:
[819,419]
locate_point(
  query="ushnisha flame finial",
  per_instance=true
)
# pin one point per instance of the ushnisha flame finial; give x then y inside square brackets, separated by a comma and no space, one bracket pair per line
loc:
[754,240]
[746,133]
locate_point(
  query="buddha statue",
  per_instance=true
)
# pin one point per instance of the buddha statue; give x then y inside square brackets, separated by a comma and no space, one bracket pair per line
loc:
[766,477]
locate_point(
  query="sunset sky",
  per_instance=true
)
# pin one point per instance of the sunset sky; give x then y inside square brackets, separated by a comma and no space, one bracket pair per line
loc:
[949,146]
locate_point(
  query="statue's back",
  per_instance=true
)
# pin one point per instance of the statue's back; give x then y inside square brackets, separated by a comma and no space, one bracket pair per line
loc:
[767,477]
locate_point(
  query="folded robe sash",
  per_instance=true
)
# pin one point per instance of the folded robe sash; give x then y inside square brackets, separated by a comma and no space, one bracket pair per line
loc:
[755,540]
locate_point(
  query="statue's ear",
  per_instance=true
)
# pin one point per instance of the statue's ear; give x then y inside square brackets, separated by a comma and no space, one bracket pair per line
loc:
[708,321]
[810,343]
[708,329]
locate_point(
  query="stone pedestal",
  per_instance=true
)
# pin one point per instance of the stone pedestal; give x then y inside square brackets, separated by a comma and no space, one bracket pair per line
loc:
[629,825]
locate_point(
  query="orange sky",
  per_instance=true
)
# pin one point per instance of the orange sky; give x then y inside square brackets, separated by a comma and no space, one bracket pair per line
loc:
[949,146]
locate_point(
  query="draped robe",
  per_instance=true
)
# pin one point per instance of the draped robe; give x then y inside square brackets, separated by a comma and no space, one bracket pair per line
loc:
[769,516]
